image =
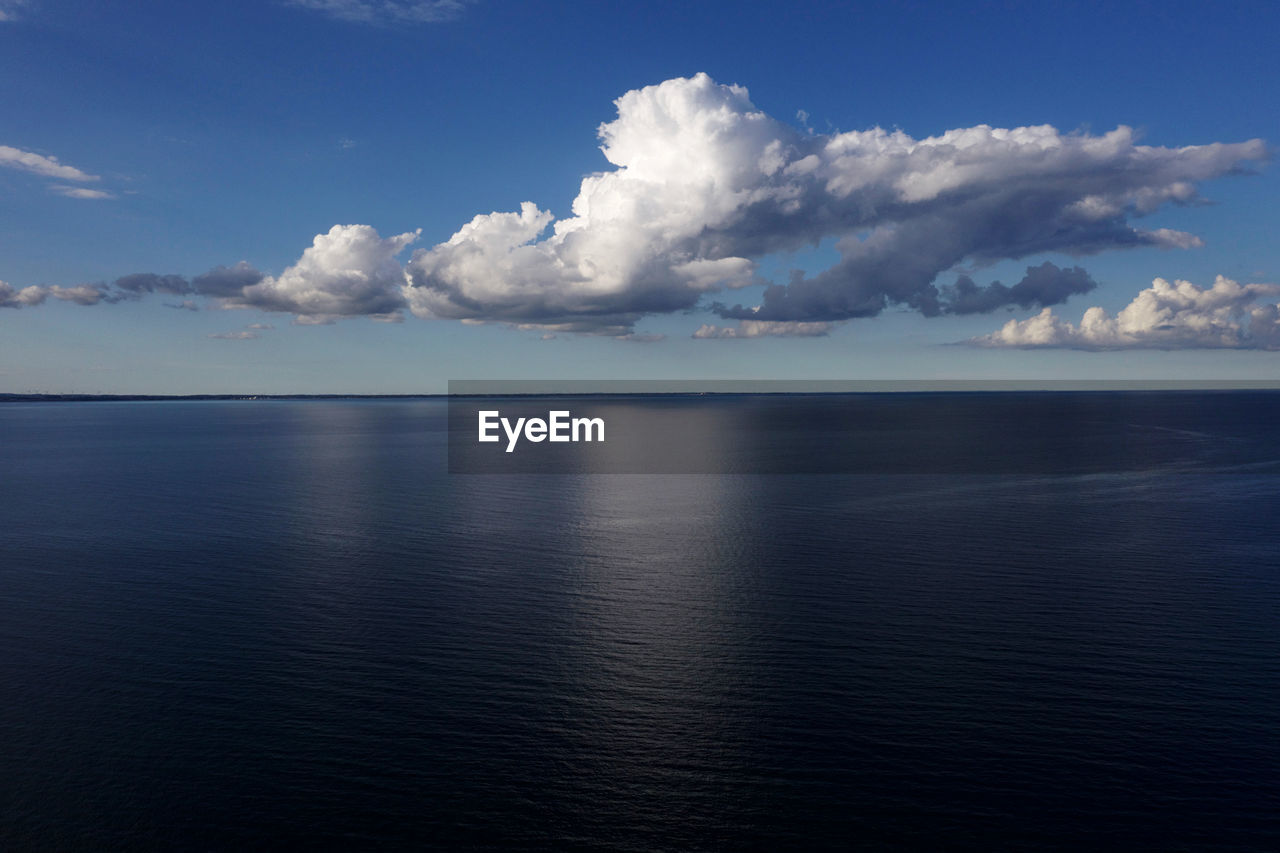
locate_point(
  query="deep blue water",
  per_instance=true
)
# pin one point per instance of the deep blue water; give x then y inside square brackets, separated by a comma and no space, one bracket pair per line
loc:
[231,625]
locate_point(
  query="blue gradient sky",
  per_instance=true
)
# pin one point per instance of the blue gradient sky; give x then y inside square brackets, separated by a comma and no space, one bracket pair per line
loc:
[240,130]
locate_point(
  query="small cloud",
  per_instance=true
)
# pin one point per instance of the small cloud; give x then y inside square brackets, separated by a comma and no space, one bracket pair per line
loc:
[1166,316]
[390,317]
[314,320]
[80,192]
[764,329]
[346,144]
[1042,286]
[347,272]
[11,10]
[84,294]
[227,281]
[149,282]
[639,338]
[548,337]
[50,167]
[386,12]
[184,305]
[11,297]
[591,326]
[260,327]
[234,336]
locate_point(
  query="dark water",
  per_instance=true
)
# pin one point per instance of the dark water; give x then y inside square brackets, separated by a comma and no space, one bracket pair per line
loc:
[231,625]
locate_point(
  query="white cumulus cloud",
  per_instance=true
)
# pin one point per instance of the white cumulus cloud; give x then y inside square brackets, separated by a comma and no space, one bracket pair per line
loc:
[1167,315]
[348,271]
[700,186]
[703,185]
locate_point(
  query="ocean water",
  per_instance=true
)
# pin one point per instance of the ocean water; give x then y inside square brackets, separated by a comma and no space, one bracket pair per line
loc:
[240,625]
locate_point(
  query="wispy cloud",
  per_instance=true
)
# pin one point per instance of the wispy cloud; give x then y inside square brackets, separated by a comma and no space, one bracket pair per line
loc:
[1177,315]
[250,333]
[80,192]
[764,329]
[386,11]
[50,167]
[11,10]
[86,294]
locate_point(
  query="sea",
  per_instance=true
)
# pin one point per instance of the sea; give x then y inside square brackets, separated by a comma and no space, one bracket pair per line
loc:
[278,624]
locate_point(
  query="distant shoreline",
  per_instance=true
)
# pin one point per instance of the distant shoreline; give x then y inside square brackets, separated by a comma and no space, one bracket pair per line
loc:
[871,387]
[144,398]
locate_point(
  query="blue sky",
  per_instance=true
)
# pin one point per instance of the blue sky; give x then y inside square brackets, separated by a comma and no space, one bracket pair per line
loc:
[173,139]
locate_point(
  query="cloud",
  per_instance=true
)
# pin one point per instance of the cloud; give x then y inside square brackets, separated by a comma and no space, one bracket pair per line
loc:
[80,192]
[250,334]
[80,294]
[49,167]
[1165,316]
[764,329]
[227,281]
[1044,285]
[701,186]
[11,297]
[29,161]
[704,185]
[218,282]
[85,294]
[348,272]
[11,10]
[590,326]
[386,11]
[146,282]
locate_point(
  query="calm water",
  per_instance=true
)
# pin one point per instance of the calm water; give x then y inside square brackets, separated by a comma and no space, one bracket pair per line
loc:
[230,625]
